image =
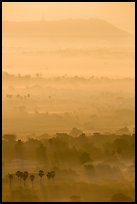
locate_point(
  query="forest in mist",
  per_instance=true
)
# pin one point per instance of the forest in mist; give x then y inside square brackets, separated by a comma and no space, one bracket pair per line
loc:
[68,111]
[81,129]
[33,105]
[69,167]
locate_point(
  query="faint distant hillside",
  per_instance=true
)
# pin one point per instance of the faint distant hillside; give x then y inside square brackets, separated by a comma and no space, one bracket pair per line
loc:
[63,28]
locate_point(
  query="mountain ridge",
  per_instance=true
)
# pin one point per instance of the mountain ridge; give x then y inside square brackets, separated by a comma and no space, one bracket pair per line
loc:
[66,27]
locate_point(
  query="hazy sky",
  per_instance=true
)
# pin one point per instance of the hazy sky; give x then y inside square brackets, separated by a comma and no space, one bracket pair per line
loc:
[121,14]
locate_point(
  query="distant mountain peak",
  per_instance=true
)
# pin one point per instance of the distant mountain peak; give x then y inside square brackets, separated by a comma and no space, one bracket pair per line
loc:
[92,27]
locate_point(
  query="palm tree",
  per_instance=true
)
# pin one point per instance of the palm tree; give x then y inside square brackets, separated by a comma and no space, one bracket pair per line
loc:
[25,176]
[10,179]
[18,95]
[28,95]
[51,175]
[32,177]
[21,175]
[48,175]
[41,174]
[18,175]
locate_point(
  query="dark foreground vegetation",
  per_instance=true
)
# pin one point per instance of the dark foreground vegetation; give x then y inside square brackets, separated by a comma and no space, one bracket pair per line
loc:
[63,167]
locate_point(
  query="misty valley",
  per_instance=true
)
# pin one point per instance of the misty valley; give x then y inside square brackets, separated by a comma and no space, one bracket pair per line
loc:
[80,128]
[68,111]
[35,105]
